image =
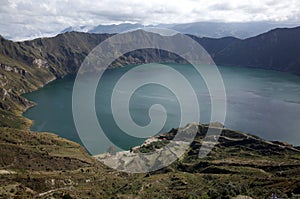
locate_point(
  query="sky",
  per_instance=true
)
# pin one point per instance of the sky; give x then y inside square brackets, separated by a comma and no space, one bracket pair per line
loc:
[22,19]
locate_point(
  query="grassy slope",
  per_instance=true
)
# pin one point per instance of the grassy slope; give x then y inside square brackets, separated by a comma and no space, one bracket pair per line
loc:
[43,165]
[34,163]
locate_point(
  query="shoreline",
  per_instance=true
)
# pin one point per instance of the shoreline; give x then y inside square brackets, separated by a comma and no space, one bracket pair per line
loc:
[32,104]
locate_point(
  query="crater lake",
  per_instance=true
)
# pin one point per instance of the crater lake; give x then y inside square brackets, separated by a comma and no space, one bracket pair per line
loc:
[261,102]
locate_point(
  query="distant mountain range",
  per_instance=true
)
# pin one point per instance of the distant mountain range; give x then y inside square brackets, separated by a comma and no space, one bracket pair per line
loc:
[200,29]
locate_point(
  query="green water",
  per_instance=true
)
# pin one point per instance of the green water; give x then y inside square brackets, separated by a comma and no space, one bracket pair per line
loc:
[260,102]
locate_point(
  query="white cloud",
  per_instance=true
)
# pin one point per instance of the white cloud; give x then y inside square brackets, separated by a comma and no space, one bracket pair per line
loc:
[23,18]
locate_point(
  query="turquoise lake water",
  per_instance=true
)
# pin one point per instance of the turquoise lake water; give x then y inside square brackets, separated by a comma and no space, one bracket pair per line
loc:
[261,102]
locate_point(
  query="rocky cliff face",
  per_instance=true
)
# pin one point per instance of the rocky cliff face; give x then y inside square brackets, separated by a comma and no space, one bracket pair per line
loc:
[28,65]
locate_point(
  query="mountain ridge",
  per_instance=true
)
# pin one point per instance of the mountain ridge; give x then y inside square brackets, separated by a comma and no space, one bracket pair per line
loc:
[279,52]
[200,29]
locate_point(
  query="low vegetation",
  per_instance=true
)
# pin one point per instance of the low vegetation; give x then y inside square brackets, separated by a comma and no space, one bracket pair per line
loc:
[43,165]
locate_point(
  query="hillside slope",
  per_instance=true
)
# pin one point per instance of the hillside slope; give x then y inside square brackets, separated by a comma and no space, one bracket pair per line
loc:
[43,165]
[40,165]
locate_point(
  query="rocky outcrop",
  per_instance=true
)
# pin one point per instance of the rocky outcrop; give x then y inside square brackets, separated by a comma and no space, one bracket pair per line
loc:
[13,69]
[240,144]
[40,63]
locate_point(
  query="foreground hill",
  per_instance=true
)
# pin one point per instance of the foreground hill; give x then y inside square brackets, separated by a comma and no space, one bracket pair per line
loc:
[40,165]
[43,165]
